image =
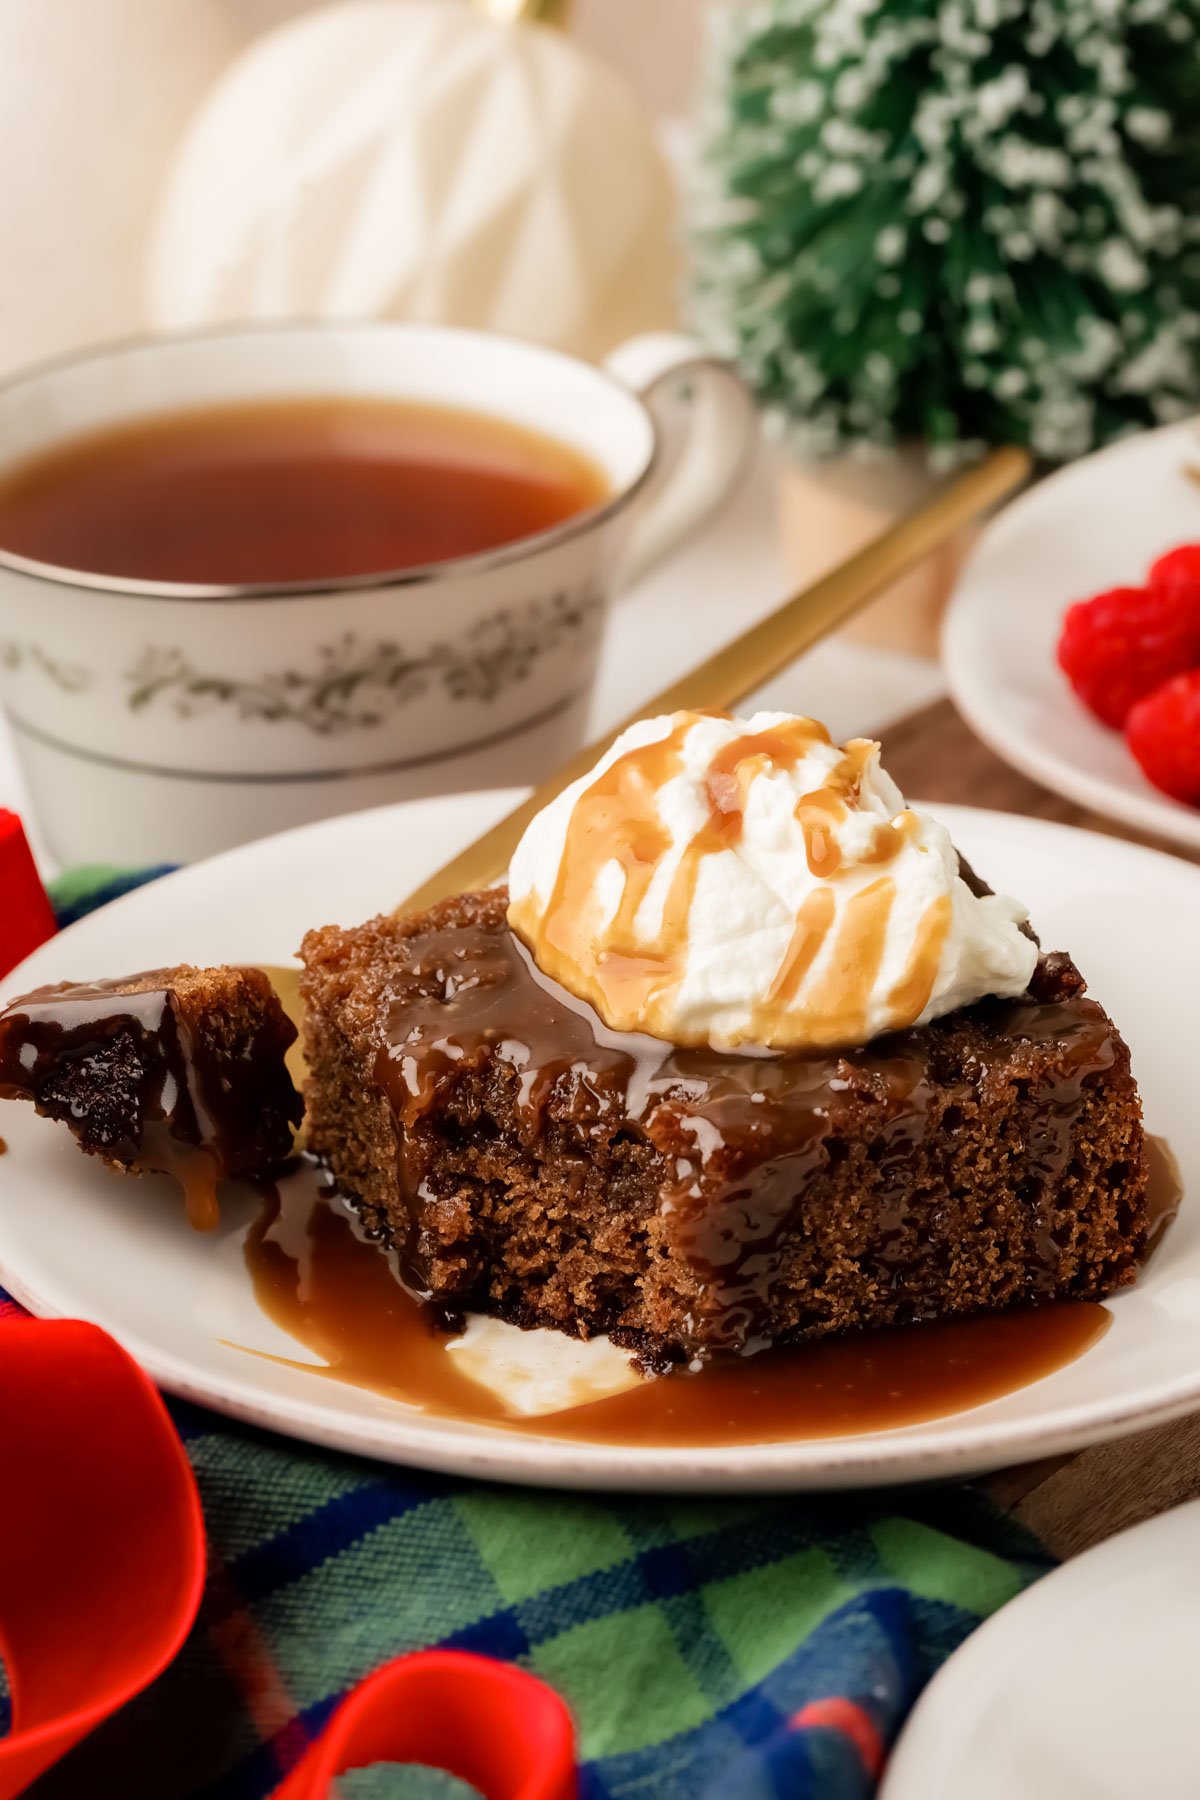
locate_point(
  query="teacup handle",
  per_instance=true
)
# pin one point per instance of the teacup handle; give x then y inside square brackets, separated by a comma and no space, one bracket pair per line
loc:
[697,472]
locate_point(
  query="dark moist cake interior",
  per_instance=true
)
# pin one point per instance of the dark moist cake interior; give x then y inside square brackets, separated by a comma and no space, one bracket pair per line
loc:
[180,1071]
[532,1163]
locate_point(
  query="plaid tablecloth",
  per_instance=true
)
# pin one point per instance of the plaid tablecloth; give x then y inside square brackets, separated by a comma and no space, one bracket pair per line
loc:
[732,1649]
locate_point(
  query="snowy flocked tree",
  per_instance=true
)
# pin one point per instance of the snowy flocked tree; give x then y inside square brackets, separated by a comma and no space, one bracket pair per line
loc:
[961,222]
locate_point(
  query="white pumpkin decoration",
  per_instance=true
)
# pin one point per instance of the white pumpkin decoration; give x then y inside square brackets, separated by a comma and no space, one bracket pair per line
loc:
[415,160]
[93,98]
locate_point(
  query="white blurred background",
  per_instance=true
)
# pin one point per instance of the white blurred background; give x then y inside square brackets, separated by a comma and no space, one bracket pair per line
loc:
[94,95]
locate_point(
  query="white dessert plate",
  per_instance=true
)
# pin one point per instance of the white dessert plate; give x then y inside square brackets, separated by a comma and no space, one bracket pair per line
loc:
[77,1240]
[1081,1689]
[1099,524]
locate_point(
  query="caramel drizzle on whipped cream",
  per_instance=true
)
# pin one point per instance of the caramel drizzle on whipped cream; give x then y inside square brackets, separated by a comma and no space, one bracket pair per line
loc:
[628,976]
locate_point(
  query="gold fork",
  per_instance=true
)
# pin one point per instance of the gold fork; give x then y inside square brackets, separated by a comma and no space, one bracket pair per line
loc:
[740,667]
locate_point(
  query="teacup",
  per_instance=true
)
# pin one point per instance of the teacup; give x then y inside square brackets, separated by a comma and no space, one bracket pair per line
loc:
[159,721]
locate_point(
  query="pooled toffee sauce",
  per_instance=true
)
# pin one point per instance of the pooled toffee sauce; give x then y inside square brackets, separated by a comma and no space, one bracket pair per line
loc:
[338,1293]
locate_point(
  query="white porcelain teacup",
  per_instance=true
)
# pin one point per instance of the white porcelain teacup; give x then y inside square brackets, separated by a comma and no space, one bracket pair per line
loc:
[161,722]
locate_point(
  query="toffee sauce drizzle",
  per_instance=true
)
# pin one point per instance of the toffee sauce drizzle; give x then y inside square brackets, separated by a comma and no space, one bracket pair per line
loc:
[627,975]
[338,1292]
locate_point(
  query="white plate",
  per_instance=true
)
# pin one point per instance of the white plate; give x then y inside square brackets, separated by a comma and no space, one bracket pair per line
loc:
[1084,1688]
[1099,524]
[76,1240]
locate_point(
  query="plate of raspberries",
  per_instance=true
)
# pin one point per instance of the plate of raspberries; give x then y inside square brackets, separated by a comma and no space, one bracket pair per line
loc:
[1072,645]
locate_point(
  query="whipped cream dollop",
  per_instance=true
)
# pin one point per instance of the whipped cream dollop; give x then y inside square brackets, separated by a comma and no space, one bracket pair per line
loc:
[747,881]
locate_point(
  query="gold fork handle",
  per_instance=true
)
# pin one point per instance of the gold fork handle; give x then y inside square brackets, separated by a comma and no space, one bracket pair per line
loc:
[758,654]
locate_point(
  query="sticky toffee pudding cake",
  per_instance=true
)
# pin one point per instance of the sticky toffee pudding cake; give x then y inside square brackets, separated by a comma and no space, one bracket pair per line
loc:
[742,1056]
[176,1071]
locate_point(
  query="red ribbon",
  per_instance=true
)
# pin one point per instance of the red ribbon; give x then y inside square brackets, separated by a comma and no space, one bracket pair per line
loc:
[102,1567]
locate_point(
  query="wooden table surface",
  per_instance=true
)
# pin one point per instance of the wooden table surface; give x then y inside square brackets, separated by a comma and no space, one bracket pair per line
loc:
[1069,1502]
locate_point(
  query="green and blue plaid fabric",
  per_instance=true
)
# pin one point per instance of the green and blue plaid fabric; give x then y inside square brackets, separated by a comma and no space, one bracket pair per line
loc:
[722,1647]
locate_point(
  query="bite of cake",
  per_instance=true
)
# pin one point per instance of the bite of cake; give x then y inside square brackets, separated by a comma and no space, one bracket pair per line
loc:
[175,1071]
[743,1054]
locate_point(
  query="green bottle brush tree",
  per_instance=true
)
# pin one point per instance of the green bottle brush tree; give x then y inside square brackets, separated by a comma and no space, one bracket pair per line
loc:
[954,222]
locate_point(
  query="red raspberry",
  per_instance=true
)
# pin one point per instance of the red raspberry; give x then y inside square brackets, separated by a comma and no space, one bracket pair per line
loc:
[1122,645]
[1177,576]
[1163,731]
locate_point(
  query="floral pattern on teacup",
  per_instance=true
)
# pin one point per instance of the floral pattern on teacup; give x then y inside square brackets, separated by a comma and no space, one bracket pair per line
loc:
[354,683]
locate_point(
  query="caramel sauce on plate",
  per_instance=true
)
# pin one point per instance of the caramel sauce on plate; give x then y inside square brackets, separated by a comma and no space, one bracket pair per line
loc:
[626,974]
[320,1278]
